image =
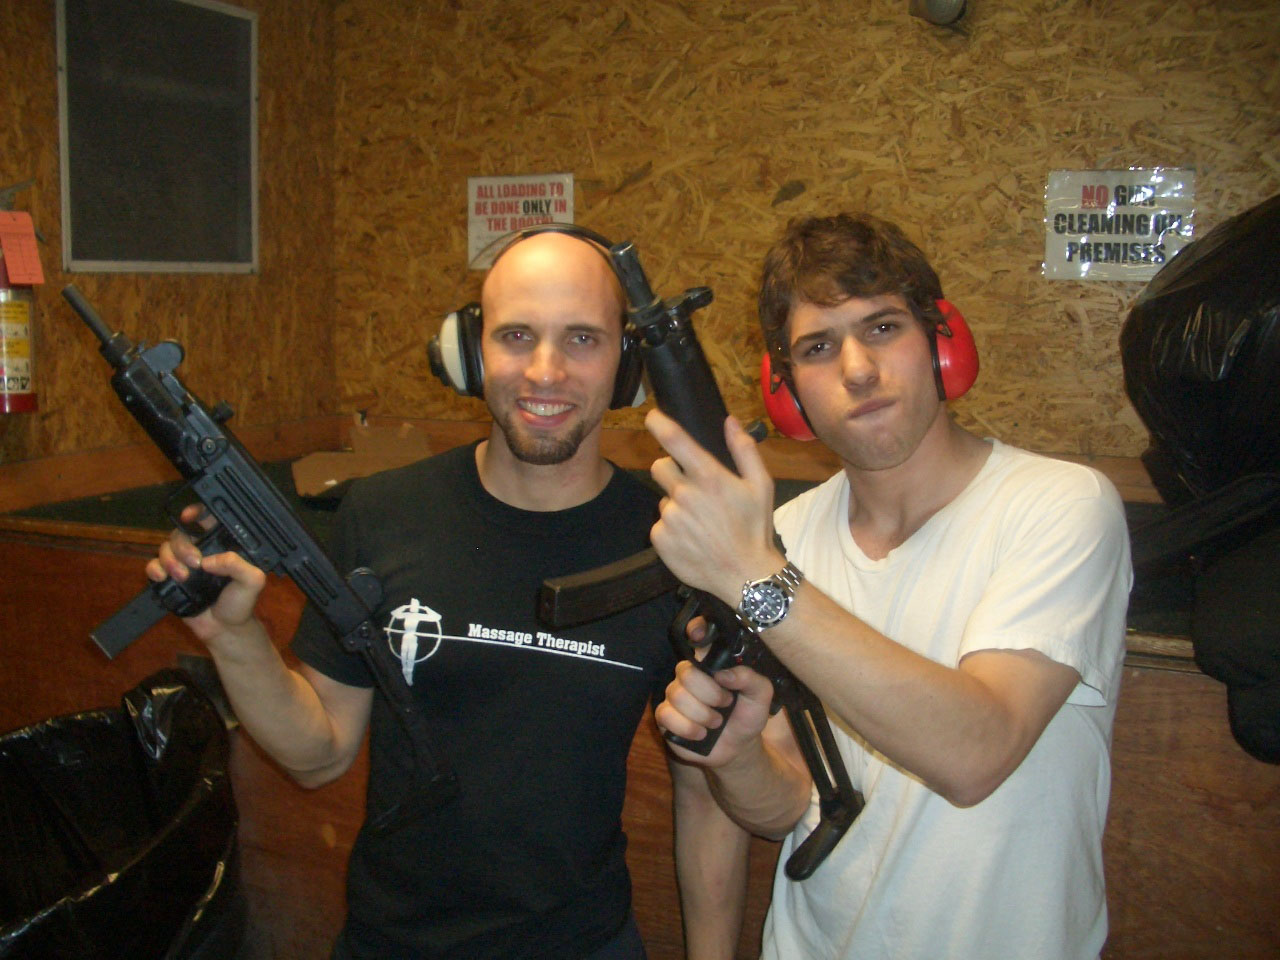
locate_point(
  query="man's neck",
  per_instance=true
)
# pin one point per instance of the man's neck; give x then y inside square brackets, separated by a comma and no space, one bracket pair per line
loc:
[888,506]
[542,487]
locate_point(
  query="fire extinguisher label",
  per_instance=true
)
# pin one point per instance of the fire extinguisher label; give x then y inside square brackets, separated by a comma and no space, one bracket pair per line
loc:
[15,346]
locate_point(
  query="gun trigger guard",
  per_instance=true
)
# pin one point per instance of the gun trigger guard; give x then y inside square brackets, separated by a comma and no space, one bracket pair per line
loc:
[193,530]
[679,629]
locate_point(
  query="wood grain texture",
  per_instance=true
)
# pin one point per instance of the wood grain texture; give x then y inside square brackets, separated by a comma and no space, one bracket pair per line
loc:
[1192,848]
[261,342]
[696,130]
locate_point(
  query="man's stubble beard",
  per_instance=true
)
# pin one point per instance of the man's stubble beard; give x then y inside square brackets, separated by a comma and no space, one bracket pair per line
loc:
[541,451]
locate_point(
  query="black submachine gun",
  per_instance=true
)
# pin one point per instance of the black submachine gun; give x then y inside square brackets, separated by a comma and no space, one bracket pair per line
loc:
[685,389]
[255,520]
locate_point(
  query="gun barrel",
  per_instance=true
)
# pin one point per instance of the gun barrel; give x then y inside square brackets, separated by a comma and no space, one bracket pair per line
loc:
[631,275]
[116,347]
[87,313]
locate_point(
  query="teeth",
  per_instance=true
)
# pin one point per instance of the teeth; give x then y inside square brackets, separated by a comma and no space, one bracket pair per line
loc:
[544,408]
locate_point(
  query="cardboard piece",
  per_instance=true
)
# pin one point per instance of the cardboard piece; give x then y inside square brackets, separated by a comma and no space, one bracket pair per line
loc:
[327,474]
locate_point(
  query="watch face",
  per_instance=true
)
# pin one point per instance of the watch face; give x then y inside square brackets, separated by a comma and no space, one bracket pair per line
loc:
[765,602]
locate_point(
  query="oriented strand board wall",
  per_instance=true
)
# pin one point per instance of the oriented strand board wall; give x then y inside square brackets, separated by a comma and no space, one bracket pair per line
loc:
[698,129]
[263,343]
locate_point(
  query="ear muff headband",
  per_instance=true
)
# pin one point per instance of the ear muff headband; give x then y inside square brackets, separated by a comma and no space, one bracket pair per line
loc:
[955,368]
[455,352]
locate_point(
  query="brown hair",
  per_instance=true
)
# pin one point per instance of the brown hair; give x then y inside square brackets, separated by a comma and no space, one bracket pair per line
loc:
[827,260]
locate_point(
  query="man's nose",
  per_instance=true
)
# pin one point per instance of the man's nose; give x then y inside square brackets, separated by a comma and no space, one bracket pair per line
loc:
[858,367]
[546,364]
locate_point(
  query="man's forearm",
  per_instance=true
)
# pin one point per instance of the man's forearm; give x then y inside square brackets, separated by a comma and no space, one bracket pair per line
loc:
[969,726]
[278,708]
[767,788]
[711,866]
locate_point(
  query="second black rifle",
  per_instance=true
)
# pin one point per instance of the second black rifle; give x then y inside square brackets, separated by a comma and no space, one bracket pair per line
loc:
[685,389]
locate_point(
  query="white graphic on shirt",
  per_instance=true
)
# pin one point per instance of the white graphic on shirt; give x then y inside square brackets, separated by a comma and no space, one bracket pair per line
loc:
[412,625]
[407,622]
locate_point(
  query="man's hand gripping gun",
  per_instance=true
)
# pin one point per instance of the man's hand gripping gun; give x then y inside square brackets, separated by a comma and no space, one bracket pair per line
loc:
[685,389]
[253,519]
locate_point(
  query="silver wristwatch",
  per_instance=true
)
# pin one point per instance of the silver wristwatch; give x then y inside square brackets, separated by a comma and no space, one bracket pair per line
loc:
[765,602]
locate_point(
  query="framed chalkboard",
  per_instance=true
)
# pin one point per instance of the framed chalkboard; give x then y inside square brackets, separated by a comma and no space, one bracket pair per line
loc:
[157,105]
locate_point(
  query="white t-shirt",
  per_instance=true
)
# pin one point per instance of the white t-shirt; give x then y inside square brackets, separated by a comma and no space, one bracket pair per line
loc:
[1033,554]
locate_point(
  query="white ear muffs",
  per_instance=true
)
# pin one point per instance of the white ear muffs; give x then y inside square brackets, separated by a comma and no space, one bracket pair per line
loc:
[454,353]
[449,351]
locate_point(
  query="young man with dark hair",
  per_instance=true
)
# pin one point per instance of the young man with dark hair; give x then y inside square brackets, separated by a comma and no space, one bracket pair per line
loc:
[527,860]
[957,604]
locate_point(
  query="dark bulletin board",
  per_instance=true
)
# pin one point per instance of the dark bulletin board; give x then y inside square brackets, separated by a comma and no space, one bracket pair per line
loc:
[158,112]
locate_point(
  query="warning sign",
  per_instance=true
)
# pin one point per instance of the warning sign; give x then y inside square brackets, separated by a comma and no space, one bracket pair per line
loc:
[499,206]
[1116,224]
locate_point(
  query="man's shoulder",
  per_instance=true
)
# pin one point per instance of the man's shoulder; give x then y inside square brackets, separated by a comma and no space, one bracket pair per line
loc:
[832,491]
[430,473]
[1036,495]
[1019,471]
[634,486]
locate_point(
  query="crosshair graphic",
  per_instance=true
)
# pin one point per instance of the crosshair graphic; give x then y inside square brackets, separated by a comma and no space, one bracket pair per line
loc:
[412,623]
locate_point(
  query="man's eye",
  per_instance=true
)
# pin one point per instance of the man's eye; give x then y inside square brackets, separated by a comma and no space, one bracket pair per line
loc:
[816,349]
[582,339]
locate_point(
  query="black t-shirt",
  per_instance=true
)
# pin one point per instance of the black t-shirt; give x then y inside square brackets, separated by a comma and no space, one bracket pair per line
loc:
[527,860]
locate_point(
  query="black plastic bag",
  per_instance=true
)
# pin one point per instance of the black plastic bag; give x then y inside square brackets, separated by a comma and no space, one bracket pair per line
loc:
[1237,639]
[1201,353]
[118,832]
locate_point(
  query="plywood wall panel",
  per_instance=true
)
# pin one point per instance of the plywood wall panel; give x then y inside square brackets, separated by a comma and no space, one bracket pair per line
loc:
[698,130]
[261,342]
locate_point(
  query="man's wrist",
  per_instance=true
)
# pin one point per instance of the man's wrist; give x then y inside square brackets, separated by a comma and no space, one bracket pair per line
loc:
[765,601]
[240,641]
[764,564]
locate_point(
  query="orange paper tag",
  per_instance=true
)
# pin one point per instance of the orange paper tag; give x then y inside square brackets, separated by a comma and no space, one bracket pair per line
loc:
[18,241]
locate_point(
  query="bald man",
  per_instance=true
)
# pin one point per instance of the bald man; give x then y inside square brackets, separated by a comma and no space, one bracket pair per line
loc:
[527,860]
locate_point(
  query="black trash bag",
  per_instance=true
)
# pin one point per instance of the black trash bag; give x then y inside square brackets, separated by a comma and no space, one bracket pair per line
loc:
[1237,639]
[1201,352]
[118,832]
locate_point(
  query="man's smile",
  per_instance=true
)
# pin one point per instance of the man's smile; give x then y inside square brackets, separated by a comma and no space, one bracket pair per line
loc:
[544,408]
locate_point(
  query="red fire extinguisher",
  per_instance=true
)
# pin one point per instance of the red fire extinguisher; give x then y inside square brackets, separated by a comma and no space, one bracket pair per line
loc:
[19,273]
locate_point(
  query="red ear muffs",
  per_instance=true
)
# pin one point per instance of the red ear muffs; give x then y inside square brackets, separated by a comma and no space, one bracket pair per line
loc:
[955,356]
[781,405]
[955,368]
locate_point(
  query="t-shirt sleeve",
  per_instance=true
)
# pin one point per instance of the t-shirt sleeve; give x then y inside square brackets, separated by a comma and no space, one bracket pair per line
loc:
[1062,588]
[314,643]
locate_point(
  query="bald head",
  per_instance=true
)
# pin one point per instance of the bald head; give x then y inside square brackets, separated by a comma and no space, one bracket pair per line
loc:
[551,267]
